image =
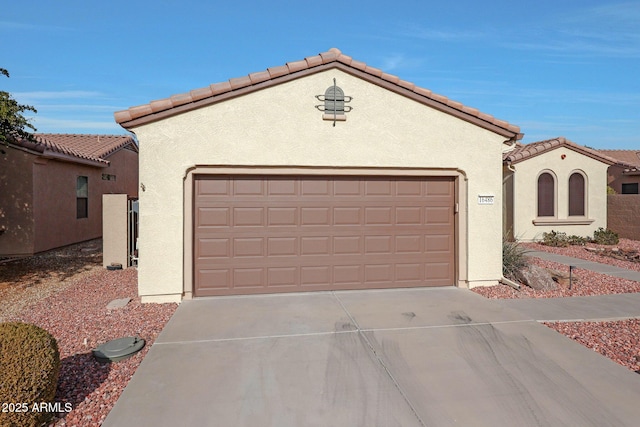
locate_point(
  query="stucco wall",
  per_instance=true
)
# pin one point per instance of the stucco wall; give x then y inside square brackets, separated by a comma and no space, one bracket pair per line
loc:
[623,215]
[124,165]
[526,193]
[16,202]
[54,198]
[280,126]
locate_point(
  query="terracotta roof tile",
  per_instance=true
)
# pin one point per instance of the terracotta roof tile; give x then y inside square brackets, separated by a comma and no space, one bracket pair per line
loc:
[632,157]
[296,66]
[92,148]
[198,94]
[218,88]
[199,97]
[522,152]
[240,82]
[261,76]
[313,61]
[278,71]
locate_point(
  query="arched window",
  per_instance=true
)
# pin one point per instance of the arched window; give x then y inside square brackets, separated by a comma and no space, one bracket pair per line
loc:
[546,195]
[576,194]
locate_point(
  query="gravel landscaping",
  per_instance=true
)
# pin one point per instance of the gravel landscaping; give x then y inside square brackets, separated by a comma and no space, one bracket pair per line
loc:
[618,340]
[67,291]
[582,253]
[72,306]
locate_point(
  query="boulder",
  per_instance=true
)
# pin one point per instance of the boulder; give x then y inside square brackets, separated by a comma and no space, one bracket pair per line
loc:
[537,278]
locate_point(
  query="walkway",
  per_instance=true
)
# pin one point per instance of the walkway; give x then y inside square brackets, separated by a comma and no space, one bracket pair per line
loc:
[607,269]
[595,308]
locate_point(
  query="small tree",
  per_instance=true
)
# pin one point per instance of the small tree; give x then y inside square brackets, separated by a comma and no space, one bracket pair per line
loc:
[13,125]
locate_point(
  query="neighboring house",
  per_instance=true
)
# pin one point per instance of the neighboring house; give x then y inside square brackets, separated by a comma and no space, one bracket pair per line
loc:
[51,191]
[320,174]
[554,185]
[624,175]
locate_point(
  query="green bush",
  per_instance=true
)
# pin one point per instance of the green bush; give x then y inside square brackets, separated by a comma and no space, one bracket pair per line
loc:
[555,238]
[577,240]
[29,369]
[513,259]
[605,237]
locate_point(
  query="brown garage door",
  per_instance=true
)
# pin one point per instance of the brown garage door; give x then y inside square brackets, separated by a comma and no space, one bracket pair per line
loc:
[263,234]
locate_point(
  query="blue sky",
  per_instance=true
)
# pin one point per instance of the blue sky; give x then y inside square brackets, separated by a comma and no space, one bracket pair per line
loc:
[554,68]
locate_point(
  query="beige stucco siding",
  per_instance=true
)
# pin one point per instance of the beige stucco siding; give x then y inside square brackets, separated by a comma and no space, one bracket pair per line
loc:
[525,190]
[280,126]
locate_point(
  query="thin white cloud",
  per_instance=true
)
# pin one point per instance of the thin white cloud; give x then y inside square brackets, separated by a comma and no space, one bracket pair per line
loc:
[436,34]
[611,30]
[65,94]
[398,61]
[49,124]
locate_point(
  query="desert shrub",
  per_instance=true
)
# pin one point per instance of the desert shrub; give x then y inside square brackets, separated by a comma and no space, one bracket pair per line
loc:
[578,240]
[513,258]
[610,190]
[605,237]
[29,369]
[555,238]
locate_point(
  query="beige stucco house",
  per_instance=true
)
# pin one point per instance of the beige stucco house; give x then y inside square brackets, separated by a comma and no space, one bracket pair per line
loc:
[554,185]
[51,189]
[320,174]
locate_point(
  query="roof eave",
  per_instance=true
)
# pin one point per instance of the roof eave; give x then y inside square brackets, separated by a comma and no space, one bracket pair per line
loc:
[48,154]
[167,109]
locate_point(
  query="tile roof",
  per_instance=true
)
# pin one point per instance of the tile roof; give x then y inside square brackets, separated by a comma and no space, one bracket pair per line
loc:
[93,149]
[525,151]
[333,58]
[631,157]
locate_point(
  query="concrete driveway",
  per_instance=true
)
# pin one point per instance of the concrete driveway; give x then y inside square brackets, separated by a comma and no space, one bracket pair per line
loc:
[416,357]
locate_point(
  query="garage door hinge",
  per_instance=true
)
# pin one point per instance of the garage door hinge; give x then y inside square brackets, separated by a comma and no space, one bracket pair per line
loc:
[456,208]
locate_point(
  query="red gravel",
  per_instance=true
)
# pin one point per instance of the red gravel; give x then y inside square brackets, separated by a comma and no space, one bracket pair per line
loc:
[586,283]
[582,253]
[78,318]
[617,340]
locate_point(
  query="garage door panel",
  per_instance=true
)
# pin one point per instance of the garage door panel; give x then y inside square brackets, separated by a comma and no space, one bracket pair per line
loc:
[347,216]
[378,216]
[282,216]
[438,215]
[315,216]
[216,279]
[280,187]
[248,187]
[347,275]
[284,234]
[248,217]
[282,246]
[213,217]
[248,277]
[315,275]
[282,277]
[315,246]
[248,247]
[214,248]
[347,245]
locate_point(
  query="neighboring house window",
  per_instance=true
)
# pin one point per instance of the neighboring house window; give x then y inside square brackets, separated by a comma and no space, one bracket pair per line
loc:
[577,192]
[82,197]
[631,188]
[546,195]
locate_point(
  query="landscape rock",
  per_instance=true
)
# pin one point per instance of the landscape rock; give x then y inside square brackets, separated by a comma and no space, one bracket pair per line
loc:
[537,278]
[118,303]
